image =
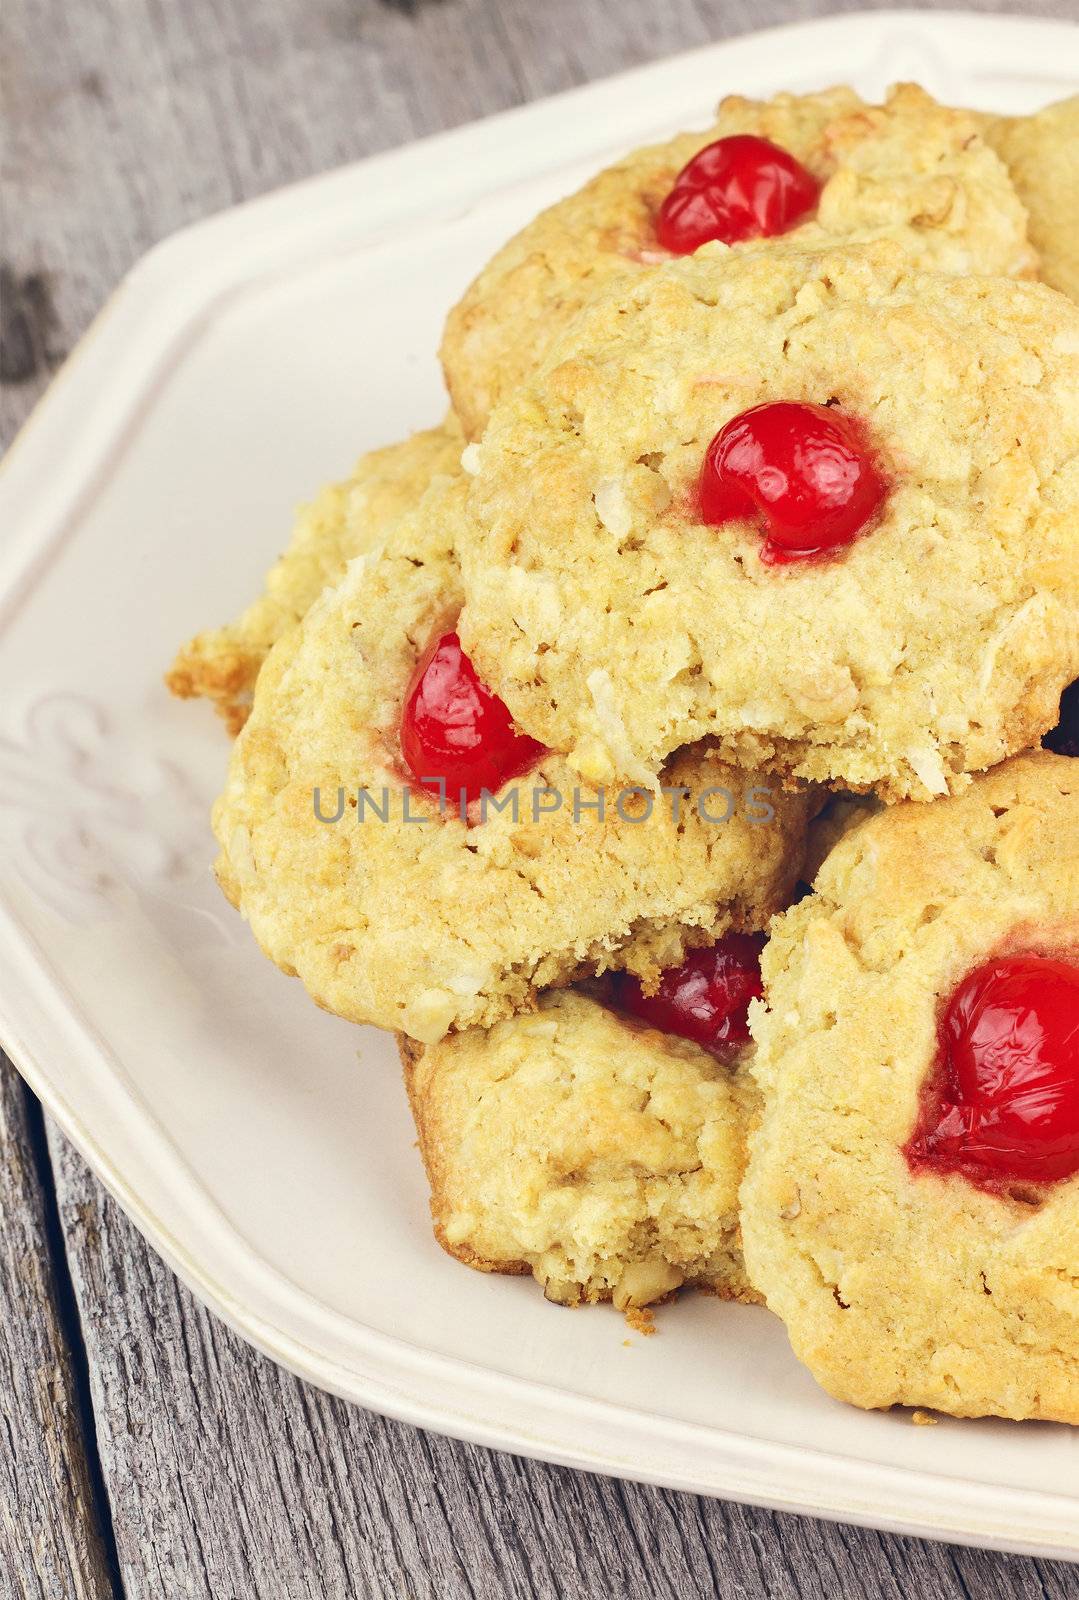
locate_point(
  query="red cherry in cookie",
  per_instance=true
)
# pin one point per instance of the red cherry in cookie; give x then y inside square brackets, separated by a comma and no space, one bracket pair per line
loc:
[803,473]
[740,187]
[707,998]
[455,729]
[1002,1104]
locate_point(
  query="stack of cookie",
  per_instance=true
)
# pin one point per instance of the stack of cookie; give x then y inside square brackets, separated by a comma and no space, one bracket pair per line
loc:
[654,745]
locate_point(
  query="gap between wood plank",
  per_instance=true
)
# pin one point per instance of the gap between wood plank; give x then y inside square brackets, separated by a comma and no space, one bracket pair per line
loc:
[70,1324]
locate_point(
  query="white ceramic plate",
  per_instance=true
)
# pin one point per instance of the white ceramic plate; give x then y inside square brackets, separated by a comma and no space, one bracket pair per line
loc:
[264,1148]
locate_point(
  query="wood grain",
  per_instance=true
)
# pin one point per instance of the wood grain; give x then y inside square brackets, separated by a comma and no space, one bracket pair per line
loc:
[226,1478]
[51,1539]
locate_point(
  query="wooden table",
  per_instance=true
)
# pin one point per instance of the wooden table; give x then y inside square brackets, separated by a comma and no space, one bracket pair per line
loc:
[147,1451]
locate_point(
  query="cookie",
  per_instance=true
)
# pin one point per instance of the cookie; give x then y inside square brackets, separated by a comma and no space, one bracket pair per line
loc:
[912,169]
[1042,156]
[902,1277]
[344,520]
[406,916]
[618,624]
[602,1156]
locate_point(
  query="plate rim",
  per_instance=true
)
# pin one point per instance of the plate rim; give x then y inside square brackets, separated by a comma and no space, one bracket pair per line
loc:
[142,330]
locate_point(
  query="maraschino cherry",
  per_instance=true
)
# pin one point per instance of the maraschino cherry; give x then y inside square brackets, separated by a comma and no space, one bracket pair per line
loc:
[803,473]
[740,187]
[707,998]
[1002,1103]
[455,729]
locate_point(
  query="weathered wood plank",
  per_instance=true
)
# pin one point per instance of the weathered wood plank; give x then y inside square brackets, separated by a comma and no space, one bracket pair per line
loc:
[231,1478]
[228,1478]
[51,1541]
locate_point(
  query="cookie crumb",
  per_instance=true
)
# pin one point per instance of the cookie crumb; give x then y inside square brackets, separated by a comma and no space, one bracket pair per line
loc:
[924,1419]
[641,1320]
